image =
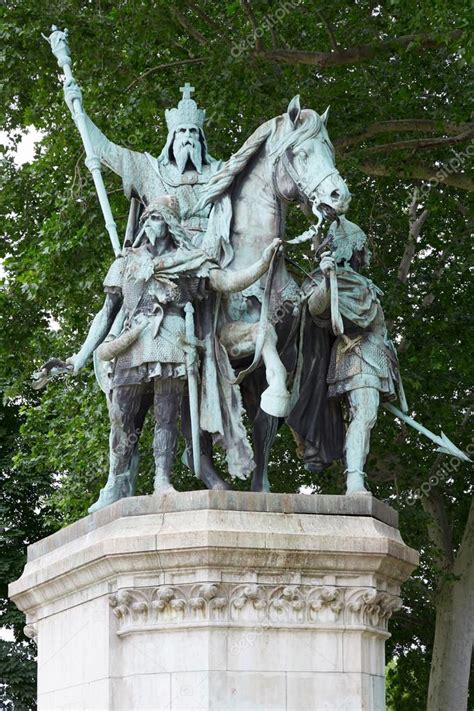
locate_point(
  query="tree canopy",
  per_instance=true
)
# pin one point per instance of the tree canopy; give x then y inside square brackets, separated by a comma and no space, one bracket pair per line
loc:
[396,76]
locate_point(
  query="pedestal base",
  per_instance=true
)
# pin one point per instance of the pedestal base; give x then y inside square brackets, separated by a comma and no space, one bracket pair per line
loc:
[216,600]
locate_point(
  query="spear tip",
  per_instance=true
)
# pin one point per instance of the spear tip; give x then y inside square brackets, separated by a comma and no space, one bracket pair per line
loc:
[449,447]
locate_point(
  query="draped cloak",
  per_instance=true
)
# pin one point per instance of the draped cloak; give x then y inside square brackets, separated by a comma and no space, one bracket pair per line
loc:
[315,418]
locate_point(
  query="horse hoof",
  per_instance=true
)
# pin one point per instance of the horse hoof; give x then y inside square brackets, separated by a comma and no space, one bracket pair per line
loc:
[275,403]
[212,480]
[356,484]
[162,489]
[222,486]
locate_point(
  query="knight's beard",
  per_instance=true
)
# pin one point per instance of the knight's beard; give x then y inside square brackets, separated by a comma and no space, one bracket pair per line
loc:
[183,153]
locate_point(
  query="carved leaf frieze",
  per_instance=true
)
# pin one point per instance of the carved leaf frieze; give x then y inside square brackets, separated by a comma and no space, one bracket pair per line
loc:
[247,604]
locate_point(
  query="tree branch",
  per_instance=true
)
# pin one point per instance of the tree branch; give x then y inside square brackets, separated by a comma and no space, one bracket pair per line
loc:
[439,530]
[167,65]
[188,26]
[355,55]
[329,30]
[429,297]
[204,16]
[416,223]
[464,555]
[418,143]
[400,126]
[253,21]
[437,274]
[419,171]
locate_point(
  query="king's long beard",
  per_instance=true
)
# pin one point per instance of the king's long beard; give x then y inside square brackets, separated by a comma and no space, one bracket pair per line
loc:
[191,152]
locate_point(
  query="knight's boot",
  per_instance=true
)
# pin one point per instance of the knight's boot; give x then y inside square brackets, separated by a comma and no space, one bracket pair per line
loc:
[356,483]
[117,487]
[121,481]
[162,481]
[164,448]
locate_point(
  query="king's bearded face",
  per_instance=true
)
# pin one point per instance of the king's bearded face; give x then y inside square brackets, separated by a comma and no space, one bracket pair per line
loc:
[187,147]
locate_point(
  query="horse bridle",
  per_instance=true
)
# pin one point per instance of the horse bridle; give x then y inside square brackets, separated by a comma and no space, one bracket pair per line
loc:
[306,193]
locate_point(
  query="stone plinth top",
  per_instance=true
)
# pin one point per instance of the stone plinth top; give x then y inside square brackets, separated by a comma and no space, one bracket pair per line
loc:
[320,504]
[216,530]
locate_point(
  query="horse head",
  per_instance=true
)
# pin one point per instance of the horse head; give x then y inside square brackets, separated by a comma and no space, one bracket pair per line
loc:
[305,169]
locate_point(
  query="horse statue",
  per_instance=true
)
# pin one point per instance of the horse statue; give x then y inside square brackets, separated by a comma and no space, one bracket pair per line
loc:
[287,160]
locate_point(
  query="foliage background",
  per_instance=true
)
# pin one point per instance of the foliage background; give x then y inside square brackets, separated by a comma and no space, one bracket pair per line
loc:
[55,251]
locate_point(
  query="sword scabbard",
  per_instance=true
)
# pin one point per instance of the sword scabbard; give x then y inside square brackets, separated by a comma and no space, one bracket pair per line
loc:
[192,371]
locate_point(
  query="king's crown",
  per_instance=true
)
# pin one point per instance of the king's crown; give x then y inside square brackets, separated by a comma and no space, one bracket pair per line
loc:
[187,111]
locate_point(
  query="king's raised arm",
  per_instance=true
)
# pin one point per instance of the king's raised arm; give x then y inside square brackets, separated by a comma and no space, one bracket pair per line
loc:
[182,169]
[132,166]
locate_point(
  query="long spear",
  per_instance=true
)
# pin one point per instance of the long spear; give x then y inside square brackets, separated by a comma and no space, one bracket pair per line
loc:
[445,446]
[60,48]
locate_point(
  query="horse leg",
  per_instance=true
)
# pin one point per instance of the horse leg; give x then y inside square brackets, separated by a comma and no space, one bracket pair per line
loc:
[264,427]
[239,339]
[275,399]
[264,431]
[208,475]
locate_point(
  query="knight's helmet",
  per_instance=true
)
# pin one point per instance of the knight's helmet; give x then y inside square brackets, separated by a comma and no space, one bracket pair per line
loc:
[185,114]
[348,239]
[139,212]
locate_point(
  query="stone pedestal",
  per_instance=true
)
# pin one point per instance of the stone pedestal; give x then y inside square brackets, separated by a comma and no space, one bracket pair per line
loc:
[216,600]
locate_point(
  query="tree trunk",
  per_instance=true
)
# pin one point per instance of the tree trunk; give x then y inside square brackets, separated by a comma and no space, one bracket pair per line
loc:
[451,661]
[454,632]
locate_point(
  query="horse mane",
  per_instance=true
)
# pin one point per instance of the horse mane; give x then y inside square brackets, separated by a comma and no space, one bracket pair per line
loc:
[224,178]
[310,125]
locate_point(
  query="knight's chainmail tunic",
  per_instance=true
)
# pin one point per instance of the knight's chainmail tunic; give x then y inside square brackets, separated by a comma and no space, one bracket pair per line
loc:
[368,364]
[364,357]
[156,352]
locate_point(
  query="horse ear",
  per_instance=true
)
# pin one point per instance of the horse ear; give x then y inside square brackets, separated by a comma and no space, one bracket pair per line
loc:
[294,110]
[324,117]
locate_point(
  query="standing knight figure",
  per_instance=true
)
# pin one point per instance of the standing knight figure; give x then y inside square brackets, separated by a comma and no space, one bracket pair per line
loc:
[141,331]
[359,366]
